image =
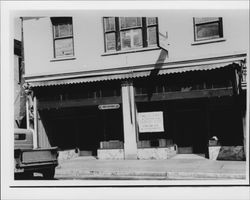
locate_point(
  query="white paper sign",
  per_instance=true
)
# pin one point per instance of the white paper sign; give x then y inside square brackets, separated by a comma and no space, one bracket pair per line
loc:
[150,121]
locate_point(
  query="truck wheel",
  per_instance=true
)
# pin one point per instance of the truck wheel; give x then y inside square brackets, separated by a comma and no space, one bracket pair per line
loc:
[28,175]
[24,176]
[49,173]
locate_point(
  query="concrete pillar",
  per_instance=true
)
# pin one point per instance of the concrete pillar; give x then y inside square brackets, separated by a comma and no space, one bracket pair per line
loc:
[129,121]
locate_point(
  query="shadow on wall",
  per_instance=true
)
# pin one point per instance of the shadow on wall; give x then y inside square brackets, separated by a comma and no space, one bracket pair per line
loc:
[157,67]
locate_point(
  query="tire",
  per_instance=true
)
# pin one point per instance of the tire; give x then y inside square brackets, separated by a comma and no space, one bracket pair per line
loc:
[49,173]
[24,176]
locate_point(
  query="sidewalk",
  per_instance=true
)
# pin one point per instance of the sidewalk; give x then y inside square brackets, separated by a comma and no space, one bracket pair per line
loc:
[179,167]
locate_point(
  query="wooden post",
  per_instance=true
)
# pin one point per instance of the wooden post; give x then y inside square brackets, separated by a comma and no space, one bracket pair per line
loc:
[35,136]
[207,118]
[244,131]
[27,114]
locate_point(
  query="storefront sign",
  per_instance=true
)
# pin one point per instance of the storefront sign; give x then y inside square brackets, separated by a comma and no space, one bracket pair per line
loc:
[150,122]
[109,106]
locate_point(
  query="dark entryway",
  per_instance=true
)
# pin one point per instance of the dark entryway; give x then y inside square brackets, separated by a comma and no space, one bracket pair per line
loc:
[81,127]
[70,128]
[190,131]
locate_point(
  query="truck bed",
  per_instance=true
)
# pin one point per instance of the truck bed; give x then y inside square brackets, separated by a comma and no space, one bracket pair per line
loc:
[36,157]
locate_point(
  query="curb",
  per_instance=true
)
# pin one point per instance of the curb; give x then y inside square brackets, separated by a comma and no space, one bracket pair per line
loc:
[148,175]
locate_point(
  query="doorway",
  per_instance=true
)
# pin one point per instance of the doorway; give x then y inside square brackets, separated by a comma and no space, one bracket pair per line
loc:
[190,132]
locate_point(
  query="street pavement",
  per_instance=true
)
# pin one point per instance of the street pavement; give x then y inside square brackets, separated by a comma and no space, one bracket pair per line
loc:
[180,167]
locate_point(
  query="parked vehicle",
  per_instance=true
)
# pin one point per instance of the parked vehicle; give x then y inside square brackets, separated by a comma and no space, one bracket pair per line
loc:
[29,160]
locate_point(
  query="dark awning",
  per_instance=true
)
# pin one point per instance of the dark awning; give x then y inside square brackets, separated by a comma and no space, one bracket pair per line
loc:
[119,75]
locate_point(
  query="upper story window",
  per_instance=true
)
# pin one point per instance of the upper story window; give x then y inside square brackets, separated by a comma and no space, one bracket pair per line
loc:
[125,33]
[207,28]
[62,36]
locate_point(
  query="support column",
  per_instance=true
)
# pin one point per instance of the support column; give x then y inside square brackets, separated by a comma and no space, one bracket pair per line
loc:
[244,132]
[27,114]
[35,136]
[129,121]
[207,118]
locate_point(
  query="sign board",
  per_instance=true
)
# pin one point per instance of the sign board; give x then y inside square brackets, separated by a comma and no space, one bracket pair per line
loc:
[109,106]
[150,122]
[163,41]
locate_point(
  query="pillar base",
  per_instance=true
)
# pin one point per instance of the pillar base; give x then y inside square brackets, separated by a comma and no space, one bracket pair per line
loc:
[131,157]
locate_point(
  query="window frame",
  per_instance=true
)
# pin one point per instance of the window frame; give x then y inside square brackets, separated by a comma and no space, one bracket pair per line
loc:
[108,32]
[219,21]
[131,29]
[54,24]
[118,31]
[156,27]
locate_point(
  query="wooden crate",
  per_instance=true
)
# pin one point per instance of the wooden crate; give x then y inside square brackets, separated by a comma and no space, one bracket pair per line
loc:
[112,144]
[185,150]
[144,144]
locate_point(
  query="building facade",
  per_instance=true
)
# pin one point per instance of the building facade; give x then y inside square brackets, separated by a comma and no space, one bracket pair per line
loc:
[121,86]
[19,95]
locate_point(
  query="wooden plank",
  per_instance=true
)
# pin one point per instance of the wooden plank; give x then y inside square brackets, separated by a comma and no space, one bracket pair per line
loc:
[186,95]
[43,141]
[77,102]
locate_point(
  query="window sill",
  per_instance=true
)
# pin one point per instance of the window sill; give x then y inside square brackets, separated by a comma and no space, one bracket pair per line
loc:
[61,59]
[208,41]
[130,51]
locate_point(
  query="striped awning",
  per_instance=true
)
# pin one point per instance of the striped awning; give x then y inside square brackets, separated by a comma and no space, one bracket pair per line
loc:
[135,73]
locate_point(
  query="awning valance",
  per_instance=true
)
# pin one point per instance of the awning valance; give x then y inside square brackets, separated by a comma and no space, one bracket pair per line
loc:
[161,70]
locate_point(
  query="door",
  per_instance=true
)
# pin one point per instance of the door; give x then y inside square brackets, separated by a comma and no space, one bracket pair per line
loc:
[190,131]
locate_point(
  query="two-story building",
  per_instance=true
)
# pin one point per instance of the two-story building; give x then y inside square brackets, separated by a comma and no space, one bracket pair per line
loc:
[138,85]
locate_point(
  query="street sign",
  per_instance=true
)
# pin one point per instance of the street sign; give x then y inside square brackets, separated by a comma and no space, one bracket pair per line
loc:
[109,106]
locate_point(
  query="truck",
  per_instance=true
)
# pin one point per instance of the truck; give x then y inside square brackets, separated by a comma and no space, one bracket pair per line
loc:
[30,160]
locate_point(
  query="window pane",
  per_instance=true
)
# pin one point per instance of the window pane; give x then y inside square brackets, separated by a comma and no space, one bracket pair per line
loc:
[109,23]
[64,47]
[63,30]
[151,20]
[152,38]
[208,30]
[128,22]
[110,41]
[126,39]
[137,38]
[205,19]
[131,38]
[56,31]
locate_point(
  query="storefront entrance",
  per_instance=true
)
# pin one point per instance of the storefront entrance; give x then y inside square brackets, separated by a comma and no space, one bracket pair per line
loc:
[190,132]
[81,128]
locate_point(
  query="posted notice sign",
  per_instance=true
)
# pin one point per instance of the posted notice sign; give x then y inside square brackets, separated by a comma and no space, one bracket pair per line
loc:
[150,122]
